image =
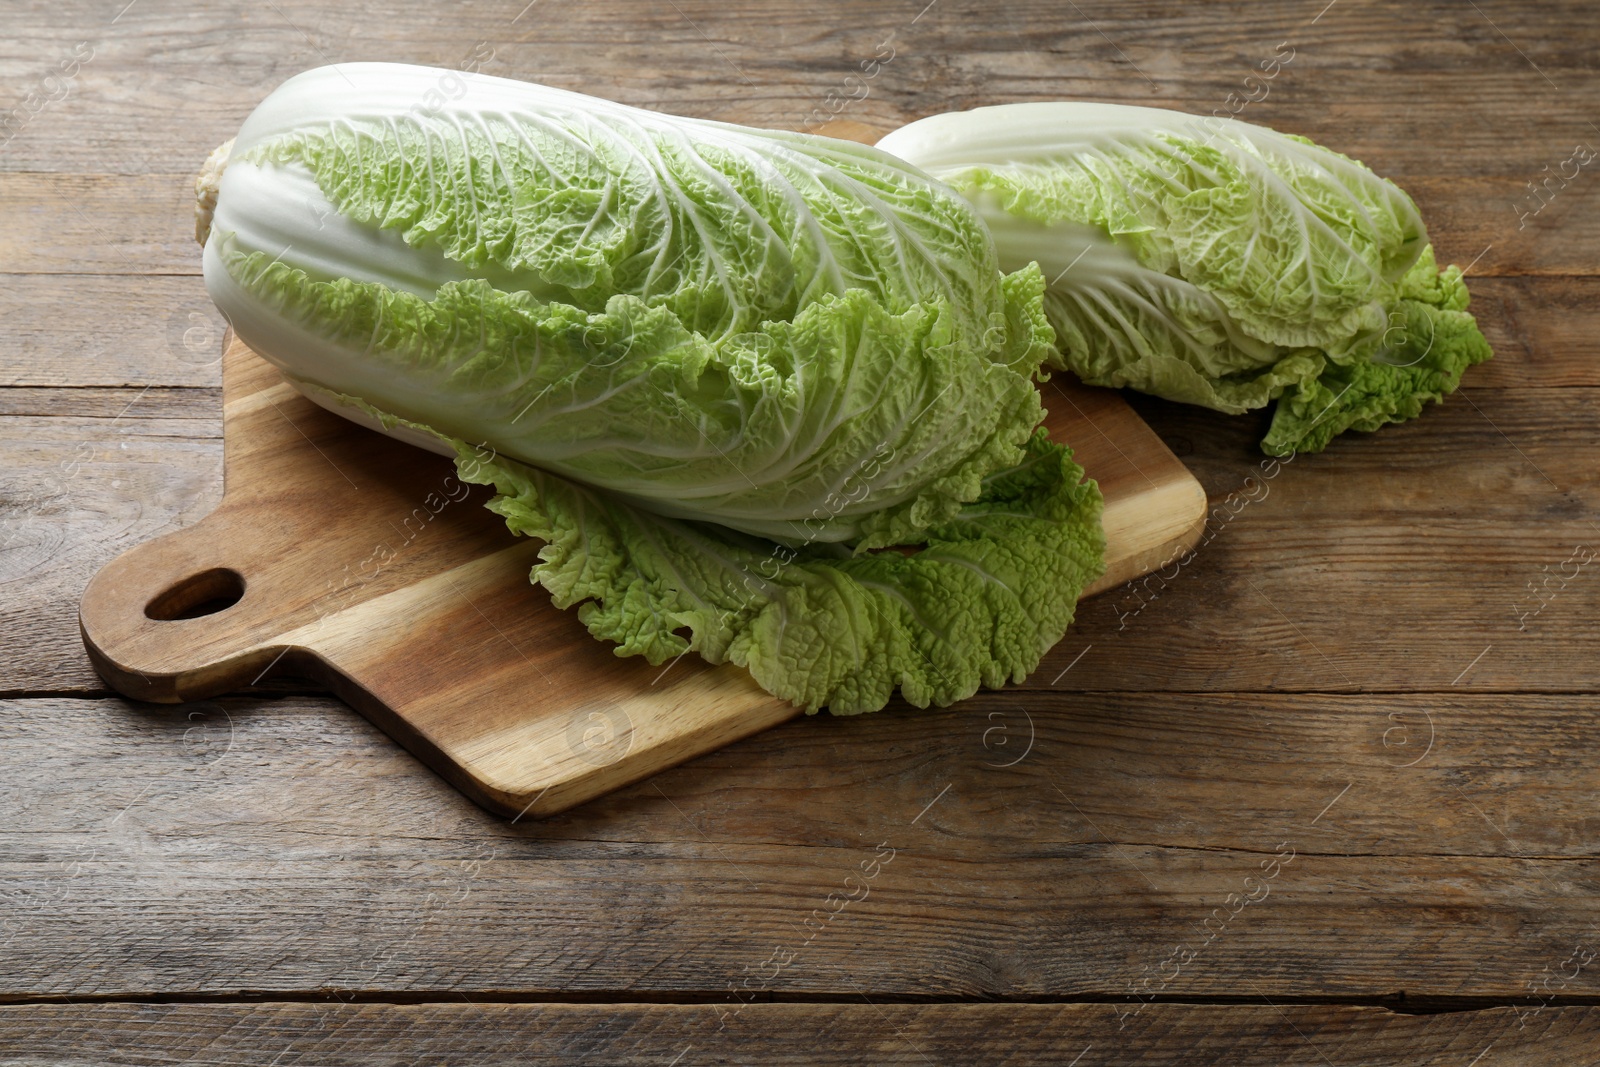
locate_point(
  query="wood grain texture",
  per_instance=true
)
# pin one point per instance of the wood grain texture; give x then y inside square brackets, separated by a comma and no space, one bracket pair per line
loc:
[490,1034]
[1421,87]
[445,644]
[269,847]
[169,336]
[1388,577]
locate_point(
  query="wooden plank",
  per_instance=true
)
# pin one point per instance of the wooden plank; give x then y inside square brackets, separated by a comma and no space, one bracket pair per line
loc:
[145,330]
[75,491]
[168,81]
[1370,607]
[526,1035]
[1133,764]
[1473,222]
[274,846]
[98,223]
[101,402]
[1544,331]
[1390,562]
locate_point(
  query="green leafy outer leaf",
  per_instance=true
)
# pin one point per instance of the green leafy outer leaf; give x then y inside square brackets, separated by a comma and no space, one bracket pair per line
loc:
[990,593]
[1292,244]
[579,199]
[992,590]
[1213,262]
[1430,342]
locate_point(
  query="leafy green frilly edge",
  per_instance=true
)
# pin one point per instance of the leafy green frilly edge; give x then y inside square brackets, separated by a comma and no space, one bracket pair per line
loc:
[979,604]
[993,587]
[1429,339]
[1400,354]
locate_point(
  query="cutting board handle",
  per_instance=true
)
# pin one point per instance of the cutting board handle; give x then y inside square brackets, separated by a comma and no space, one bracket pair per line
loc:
[168,620]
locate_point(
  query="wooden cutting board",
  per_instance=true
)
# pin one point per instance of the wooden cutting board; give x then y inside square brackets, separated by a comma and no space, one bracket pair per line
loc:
[346,557]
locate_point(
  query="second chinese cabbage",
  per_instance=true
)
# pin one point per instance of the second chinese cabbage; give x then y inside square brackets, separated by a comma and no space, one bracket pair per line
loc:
[1213,261]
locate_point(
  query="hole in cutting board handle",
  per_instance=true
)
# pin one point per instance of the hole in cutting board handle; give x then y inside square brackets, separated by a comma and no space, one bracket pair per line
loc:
[206,593]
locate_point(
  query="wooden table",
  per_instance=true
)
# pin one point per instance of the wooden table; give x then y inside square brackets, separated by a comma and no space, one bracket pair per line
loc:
[1325,795]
